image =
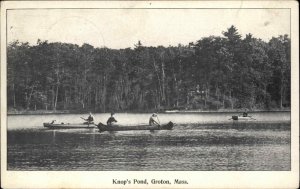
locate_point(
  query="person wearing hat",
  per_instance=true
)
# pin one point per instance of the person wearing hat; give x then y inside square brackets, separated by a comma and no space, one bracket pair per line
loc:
[153,120]
[111,120]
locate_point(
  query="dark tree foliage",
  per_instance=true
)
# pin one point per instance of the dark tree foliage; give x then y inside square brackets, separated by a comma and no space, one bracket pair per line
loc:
[216,72]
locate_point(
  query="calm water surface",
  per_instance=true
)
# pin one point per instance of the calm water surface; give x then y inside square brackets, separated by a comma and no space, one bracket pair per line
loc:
[198,142]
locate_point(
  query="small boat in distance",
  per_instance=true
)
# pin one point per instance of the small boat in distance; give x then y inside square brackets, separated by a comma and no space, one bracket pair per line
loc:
[244,118]
[69,126]
[103,127]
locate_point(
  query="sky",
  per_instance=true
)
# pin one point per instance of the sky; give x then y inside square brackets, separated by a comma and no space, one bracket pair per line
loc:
[122,28]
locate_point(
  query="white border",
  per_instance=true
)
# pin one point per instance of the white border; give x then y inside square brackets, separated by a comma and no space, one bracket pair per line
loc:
[196,179]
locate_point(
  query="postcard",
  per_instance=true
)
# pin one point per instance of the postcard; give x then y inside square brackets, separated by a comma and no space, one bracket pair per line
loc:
[149,94]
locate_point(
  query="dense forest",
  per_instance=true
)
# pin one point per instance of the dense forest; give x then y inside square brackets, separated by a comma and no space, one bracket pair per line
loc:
[213,73]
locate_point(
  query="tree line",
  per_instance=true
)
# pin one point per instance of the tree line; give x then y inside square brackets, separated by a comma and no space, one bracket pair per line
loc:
[215,72]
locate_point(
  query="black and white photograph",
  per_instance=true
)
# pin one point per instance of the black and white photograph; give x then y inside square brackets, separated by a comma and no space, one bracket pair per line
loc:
[148,88]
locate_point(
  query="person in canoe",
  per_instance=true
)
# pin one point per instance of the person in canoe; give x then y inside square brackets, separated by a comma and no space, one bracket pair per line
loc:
[111,120]
[153,120]
[245,113]
[90,119]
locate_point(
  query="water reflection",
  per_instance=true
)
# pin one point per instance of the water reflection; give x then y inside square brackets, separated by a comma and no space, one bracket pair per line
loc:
[189,147]
[53,136]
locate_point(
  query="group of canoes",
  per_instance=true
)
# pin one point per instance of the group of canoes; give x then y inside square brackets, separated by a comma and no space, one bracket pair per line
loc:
[154,124]
[153,120]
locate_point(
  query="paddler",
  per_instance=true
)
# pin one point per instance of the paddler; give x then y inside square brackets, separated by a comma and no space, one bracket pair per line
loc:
[90,119]
[153,120]
[111,120]
[245,113]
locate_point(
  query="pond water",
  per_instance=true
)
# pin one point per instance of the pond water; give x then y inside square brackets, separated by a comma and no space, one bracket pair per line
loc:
[198,142]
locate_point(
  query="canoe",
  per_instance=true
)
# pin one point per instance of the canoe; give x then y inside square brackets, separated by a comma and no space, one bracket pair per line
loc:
[242,118]
[103,127]
[69,126]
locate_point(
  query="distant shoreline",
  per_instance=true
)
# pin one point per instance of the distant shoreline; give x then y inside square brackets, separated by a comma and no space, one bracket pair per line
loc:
[49,112]
[224,111]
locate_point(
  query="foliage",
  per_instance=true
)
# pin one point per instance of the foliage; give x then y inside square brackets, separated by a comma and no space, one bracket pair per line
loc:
[216,72]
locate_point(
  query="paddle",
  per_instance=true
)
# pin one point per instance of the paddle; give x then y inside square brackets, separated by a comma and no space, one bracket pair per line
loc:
[83,118]
[88,122]
[252,117]
[158,122]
